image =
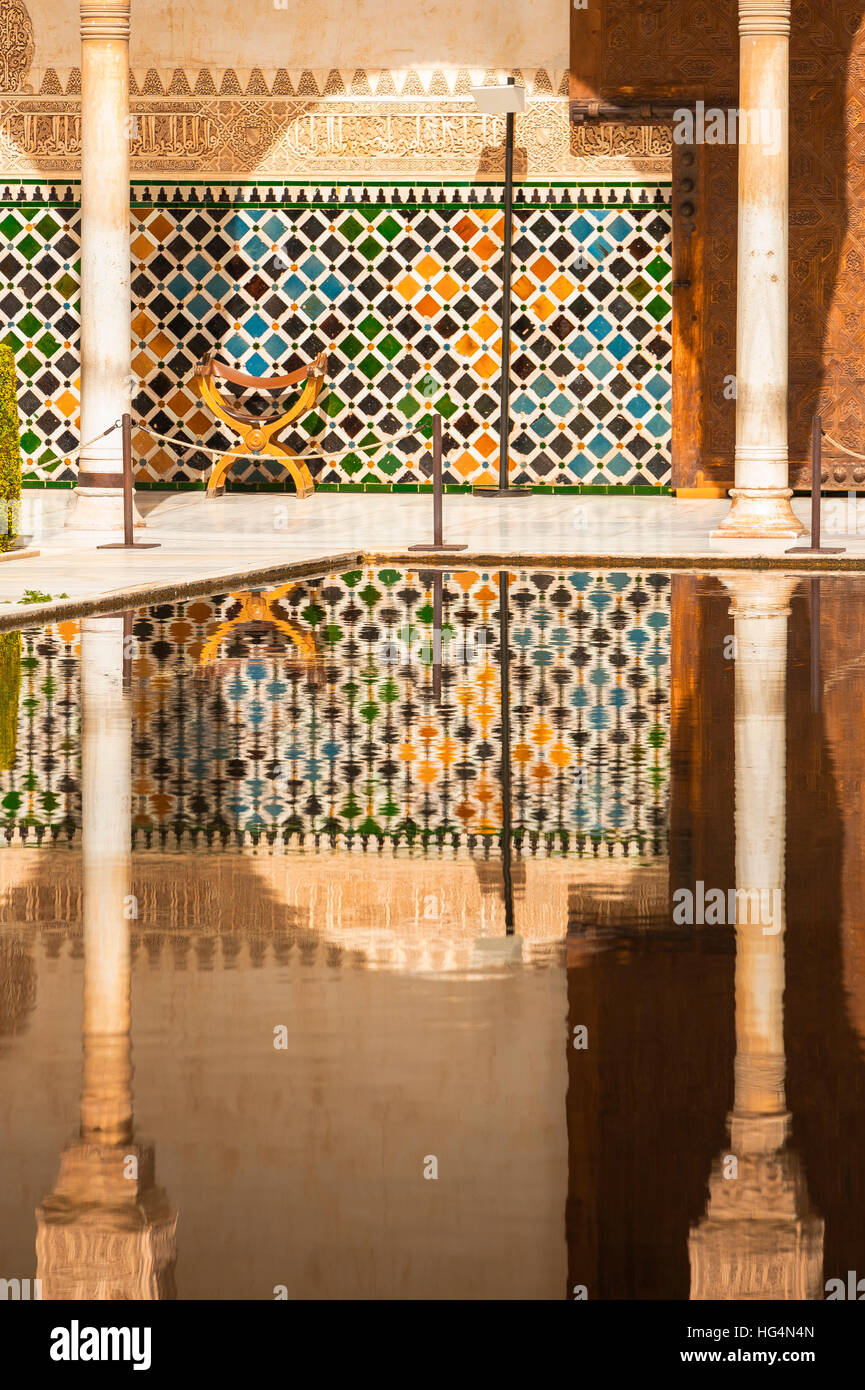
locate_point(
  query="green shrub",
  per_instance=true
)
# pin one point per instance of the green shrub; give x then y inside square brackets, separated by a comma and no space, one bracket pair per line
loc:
[10,452]
[10,686]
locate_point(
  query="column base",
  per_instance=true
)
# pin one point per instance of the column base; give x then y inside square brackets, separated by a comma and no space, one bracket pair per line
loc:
[760,513]
[100,509]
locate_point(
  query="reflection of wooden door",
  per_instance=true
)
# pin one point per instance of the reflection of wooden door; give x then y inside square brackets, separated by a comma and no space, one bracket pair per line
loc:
[687,51]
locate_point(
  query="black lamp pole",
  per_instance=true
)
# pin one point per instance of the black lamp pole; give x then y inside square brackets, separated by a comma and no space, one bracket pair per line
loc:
[503,490]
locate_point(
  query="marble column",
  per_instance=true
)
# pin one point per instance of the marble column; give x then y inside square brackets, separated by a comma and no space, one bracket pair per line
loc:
[761,496]
[105,261]
[759,1238]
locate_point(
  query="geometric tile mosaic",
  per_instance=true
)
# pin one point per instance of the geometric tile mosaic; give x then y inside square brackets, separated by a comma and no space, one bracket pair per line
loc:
[404,297]
[315,721]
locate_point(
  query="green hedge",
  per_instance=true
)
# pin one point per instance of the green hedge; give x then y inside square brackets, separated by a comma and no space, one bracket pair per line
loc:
[10,451]
[10,688]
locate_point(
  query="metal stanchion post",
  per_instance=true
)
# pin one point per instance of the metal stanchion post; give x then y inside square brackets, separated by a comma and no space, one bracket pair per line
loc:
[128,543]
[438,543]
[815,548]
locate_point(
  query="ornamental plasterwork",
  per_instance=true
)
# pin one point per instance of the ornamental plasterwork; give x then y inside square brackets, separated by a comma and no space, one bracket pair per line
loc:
[324,125]
[16,44]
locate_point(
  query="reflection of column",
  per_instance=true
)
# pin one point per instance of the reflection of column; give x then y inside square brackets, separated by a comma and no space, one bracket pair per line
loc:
[759,1238]
[106,1231]
[105,260]
[761,497]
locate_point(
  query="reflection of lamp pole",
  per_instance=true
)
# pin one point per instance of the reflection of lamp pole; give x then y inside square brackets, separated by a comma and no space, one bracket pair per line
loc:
[505,100]
[507,826]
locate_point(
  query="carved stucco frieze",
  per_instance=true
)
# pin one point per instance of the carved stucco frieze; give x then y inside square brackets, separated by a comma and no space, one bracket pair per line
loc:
[317,127]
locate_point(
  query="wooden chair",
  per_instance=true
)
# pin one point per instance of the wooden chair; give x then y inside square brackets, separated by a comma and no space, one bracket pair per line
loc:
[259,434]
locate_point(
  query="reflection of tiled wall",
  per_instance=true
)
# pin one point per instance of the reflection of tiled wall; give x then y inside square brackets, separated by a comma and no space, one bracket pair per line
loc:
[404,297]
[317,722]
[40,795]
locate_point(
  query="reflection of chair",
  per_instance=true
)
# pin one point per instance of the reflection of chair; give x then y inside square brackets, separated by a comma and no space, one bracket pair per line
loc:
[256,608]
[259,434]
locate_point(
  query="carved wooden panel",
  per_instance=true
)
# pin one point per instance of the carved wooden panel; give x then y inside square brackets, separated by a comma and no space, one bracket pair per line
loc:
[827,234]
[678,49]
[648,49]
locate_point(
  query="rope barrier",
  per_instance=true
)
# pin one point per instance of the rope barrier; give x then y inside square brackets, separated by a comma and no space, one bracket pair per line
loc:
[307,453]
[842,447]
[76,453]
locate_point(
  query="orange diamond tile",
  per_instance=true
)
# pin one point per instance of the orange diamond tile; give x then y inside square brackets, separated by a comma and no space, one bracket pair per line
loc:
[142,364]
[428,306]
[485,366]
[447,287]
[466,345]
[543,267]
[142,247]
[67,404]
[161,345]
[143,325]
[160,227]
[428,267]
[523,287]
[543,307]
[486,247]
[465,464]
[407,287]
[466,227]
[485,327]
[486,445]
[561,287]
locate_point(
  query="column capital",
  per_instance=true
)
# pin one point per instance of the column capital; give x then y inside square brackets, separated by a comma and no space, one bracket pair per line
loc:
[757,17]
[105,19]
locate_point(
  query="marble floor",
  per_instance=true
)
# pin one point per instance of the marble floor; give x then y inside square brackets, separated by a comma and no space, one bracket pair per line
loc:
[246,536]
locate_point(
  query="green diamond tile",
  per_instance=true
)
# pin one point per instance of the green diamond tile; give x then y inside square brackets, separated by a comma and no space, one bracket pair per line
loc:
[10,226]
[351,228]
[445,406]
[29,324]
[389,347]
[30,442]
[389,228]
[408,406]
[312,423]
[427,386]
[658,308]
[29,364]
[13,341]
[28,246]
[47,227]
[370,248]
[351,346]
[47,344]
[390,464]
[371,366]
[352,464]
[370,327]
[67,285]
[639,288]
[658,268]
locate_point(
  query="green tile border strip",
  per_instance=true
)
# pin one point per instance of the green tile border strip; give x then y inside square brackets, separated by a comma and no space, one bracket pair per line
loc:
[434,188]
[460,489]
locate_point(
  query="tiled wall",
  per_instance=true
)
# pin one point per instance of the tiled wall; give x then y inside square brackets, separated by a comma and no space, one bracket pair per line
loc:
[400,286]
[317,722]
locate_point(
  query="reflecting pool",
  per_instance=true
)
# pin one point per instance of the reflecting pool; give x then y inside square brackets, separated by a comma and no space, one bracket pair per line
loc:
[457,934]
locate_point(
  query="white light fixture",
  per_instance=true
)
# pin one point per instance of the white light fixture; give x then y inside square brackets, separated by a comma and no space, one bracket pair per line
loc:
[500,101]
